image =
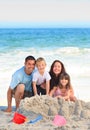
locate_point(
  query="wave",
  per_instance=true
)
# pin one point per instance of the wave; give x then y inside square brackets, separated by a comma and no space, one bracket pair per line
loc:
[47,50]
[73,50]
[76,60]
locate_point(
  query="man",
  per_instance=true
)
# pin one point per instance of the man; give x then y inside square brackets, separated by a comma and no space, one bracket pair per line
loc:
[21,83]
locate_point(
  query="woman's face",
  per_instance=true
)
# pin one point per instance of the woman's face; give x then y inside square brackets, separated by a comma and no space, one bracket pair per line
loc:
[57,68]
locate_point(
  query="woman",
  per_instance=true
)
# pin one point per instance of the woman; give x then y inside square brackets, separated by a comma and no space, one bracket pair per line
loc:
[57,68]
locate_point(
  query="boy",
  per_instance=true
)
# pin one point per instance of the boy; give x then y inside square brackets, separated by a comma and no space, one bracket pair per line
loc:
[41,78]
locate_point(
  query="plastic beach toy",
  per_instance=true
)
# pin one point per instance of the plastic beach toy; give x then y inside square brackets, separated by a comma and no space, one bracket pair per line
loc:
[39,117]
[19,118]
[59,120]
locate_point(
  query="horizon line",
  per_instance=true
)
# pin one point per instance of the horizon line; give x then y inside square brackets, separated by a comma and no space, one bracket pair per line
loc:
[1,27]
[67,24]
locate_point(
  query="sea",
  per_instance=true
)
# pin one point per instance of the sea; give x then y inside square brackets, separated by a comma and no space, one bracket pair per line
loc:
[69,45]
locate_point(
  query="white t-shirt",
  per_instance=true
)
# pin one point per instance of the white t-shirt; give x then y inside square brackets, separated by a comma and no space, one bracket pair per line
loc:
[39,79]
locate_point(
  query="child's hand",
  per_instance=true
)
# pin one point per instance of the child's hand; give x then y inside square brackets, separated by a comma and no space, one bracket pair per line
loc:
[59,96]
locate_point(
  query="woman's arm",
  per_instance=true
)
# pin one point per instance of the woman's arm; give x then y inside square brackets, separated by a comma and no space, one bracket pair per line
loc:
[47,87]
[52,91]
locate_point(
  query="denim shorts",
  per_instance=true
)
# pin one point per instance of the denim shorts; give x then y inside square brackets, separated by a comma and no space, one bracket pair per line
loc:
[26,93]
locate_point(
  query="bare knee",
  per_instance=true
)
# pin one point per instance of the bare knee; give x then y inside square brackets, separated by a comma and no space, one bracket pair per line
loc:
[9,92]
[20,89]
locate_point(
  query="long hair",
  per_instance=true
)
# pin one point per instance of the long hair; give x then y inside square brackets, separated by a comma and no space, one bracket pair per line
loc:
[55,79]
[67,77]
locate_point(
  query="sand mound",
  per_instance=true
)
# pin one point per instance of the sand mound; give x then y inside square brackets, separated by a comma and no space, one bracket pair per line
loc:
[49,106]
[77,114]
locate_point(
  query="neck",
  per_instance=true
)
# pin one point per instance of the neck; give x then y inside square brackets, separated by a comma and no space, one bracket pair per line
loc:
[27,72]
[41,73]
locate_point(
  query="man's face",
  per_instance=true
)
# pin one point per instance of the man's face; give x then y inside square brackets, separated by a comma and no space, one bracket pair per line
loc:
[29,66]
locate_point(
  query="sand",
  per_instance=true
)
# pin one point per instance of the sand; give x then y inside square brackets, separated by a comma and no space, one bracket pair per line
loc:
[77,114]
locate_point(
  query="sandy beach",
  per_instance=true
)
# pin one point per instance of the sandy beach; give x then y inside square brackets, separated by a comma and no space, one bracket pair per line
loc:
[54,30]
[76,114]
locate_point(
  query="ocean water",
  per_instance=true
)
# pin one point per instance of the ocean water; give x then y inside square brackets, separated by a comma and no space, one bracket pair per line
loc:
[70,45]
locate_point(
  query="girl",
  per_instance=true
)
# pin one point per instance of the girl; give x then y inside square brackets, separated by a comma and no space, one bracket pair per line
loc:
[64,89]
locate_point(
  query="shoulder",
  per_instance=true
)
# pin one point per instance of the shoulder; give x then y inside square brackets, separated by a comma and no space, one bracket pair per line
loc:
[55,87]
[19,72]
[71,88]
[46,73]
[36,74]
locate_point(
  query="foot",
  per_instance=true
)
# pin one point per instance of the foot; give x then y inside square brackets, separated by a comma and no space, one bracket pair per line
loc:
[8,110]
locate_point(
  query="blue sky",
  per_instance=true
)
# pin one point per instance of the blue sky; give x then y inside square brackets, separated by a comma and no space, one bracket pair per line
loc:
[44,13]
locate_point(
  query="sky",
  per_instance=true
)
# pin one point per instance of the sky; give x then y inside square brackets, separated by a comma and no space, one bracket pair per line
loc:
[44,13]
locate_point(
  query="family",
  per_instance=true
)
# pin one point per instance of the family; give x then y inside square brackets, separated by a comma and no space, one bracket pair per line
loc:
[33,79]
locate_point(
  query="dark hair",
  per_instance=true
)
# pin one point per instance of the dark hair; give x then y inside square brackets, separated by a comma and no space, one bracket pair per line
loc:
[55,79]
[62,65]
[67,77]
[29,58]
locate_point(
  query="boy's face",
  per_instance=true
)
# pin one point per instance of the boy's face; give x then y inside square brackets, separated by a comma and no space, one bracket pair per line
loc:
[41,66]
